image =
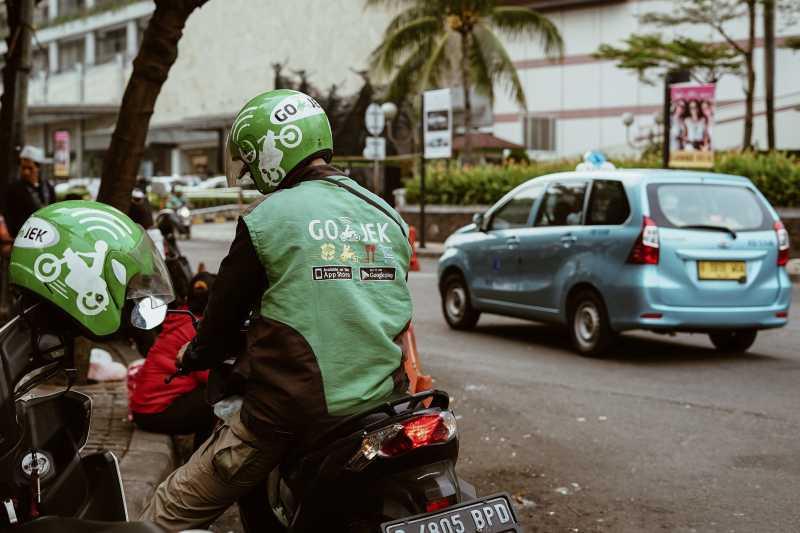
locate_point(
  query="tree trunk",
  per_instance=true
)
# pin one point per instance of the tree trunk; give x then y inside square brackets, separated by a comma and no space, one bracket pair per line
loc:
[747,142]
[158,52]
[769,69]
[14,101]
[466,154]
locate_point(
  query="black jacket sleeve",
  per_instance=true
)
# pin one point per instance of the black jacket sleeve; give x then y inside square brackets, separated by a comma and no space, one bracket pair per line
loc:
[240,284]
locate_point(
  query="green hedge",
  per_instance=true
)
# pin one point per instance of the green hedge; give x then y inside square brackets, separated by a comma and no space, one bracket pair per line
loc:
[776,174]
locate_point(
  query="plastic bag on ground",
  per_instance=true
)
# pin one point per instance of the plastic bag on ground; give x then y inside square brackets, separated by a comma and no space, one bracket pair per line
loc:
[103,368]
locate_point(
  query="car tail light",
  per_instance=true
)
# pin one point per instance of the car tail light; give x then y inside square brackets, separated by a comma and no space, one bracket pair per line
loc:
[783,243]
[400,438]
[646,249]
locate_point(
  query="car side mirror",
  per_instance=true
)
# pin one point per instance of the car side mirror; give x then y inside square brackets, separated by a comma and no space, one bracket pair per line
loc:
[477,219]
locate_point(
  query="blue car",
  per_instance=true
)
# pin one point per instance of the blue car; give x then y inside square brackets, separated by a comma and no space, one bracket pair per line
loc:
[606,251]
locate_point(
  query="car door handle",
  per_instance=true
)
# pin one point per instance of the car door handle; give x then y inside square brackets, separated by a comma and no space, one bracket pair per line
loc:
[568,239]
[512,242]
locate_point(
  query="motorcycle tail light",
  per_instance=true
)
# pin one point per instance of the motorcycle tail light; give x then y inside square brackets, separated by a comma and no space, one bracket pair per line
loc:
[403,437]
[418,432]
[439,504]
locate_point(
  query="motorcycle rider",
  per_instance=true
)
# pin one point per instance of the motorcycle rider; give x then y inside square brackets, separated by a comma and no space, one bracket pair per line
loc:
[330,308]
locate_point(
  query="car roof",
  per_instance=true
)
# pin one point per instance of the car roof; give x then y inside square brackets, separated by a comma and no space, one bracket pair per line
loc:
[633,176]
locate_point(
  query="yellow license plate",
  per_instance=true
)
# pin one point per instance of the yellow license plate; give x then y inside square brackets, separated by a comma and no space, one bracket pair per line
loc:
[724,270]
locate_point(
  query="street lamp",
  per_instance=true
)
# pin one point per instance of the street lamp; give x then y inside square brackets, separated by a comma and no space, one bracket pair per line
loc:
[390,113]
[627,121]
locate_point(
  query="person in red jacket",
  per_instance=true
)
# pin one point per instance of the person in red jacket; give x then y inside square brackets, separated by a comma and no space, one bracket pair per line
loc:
[180,407]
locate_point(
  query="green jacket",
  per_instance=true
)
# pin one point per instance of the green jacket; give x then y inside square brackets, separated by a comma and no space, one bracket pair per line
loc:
[333,303]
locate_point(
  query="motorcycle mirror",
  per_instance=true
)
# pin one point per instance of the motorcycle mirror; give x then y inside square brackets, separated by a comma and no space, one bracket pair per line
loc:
[195,322]
[148,312]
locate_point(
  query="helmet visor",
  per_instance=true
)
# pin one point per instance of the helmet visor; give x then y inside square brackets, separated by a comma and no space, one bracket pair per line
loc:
[153,276]
[236,170]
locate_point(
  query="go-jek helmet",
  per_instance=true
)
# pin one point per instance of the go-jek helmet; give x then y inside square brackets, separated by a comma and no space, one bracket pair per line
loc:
[274,133]
[87,259]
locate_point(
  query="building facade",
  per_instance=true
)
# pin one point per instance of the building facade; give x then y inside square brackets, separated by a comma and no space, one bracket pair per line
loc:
[84,51]
[577,104]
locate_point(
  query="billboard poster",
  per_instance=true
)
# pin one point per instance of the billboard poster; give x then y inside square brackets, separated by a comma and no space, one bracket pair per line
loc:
[438,124]
[61,154]
[691,125]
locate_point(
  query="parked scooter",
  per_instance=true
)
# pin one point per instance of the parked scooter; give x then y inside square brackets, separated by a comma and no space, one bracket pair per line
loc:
[180,271]
[45,484]
[389,467]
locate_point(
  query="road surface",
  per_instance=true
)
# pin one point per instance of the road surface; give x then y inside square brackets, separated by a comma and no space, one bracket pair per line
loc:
[663,435]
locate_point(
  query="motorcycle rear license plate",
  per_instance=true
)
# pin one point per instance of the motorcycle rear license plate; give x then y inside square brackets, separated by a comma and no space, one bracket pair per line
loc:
[492,514]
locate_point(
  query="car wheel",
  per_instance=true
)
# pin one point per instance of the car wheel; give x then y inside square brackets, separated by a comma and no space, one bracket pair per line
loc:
[588,325]
[734,341]
[456,305]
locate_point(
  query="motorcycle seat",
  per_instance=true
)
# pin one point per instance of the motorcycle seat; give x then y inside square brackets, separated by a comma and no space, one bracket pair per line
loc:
[56,524]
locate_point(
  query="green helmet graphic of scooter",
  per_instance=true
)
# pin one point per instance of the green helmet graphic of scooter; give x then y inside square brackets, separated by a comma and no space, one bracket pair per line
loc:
[274,133]
[88,258]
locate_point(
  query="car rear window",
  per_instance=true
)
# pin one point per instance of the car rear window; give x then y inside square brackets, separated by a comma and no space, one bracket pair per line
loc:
[700,204]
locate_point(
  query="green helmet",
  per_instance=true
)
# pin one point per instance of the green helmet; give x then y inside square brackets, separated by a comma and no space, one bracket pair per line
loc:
[272,134]
[87,258]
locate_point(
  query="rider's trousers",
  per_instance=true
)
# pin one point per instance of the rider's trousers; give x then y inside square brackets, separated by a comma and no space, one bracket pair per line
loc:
[224,469]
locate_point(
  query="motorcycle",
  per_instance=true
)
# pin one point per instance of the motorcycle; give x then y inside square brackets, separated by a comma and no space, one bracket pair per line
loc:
[46,485]
[180,272]
[389,467]
[180,219]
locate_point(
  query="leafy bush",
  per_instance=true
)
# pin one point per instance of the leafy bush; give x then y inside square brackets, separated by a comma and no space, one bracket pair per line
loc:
[777,175]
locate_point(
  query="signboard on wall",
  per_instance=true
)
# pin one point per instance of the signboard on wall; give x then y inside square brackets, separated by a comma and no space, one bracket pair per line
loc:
[61,154]
[438,124]
[691,125]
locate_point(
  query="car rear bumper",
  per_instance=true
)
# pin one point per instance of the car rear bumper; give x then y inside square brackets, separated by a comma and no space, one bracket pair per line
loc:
[710,318]
[641,310]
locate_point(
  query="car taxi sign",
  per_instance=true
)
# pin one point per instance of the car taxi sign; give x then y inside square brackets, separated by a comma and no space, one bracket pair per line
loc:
[595,160]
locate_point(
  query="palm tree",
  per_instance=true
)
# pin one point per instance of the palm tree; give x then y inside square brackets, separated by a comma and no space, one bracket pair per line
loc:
[431,40]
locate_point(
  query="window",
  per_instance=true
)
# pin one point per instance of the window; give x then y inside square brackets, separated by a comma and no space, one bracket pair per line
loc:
[608,204]
[39,61]
[109,44]
[40,14]
[70,53]
[563,205]
[677,205]
[516,212]
[540,133]
[70,7]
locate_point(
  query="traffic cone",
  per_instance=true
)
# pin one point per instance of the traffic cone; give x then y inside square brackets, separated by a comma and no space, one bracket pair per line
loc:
[417,380]
[412,239]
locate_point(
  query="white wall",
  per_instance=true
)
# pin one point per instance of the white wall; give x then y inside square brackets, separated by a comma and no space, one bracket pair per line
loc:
[228,47]
[598,88]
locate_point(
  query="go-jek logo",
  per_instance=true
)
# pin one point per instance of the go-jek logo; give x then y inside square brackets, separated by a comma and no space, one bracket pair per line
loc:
[36,233]
[343,230]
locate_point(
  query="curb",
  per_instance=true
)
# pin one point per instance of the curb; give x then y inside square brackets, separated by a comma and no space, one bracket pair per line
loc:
[433,250]
[149,460]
